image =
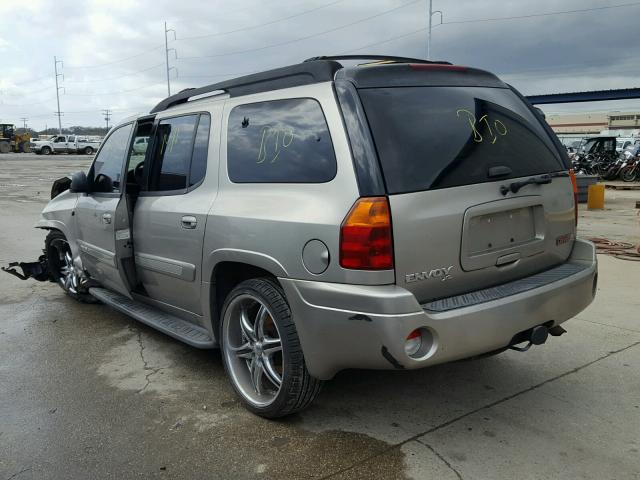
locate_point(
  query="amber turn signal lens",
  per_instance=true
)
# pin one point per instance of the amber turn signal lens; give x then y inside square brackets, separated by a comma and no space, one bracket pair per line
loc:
[365,236]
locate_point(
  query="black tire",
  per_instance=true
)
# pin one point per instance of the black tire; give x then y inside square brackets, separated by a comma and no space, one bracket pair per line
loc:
[298,388]
[88,151]
[45,151]
[629,174]
[55,245]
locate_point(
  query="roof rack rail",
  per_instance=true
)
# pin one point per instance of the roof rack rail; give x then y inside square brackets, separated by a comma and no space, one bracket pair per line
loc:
[390,58]
[292,76]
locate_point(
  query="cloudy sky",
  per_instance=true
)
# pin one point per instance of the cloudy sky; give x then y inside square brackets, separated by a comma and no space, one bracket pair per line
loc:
[114,57]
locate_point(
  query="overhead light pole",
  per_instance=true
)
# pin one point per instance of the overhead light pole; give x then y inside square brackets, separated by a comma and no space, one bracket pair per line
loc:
[431,12]
[58,113]
[107,116]
[166,54]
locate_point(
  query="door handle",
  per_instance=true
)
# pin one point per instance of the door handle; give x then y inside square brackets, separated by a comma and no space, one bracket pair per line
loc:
[106,218]
[190,222]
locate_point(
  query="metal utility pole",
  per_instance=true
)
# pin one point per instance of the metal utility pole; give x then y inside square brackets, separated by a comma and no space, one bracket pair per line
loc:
[58,113]
[431,13]
[166,53]
[107,115]
[24,123]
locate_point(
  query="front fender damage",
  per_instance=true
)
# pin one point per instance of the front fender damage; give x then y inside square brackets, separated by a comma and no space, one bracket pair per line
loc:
[39,270]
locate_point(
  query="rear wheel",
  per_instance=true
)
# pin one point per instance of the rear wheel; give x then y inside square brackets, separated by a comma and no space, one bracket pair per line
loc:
[262,353]
[62,269]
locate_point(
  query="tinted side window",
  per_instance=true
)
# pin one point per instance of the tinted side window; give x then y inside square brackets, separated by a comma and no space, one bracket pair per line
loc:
[200,148]
[172,156]
[281,141]
[107,168]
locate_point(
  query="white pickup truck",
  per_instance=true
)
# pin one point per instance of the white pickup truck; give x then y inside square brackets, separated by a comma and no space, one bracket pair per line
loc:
[65,144]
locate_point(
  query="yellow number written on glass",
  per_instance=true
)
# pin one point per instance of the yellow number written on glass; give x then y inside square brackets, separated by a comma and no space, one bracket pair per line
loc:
[271,142]
[499,128]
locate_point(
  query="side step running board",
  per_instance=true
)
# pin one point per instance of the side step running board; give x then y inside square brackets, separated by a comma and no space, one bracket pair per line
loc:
[165,322]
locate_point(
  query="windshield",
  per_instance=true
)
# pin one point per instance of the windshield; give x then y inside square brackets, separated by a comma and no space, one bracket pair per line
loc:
[439,137]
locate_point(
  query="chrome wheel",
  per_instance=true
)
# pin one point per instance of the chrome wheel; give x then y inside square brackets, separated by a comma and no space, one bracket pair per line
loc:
[253,349]
[65,271]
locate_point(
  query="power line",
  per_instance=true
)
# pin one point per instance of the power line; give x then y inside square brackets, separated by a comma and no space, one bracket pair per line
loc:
[112,93]
[97,80]
[253,27]
[16,105]
[22,94]
[398,37]
[288,42]
[224,14]
[99,65]
[47,77]
[547,14]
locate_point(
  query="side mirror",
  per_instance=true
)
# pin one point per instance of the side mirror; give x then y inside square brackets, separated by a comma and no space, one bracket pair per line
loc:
[79,183]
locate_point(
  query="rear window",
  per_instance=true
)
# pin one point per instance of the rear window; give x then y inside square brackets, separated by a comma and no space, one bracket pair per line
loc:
[440,137]
[280,141]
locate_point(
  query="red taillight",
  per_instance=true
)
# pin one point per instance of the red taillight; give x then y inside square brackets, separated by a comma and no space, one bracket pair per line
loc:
[365,236]
[574,182]
[436,66]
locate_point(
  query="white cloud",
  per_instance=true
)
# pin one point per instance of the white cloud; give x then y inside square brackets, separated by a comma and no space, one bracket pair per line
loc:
[538,55]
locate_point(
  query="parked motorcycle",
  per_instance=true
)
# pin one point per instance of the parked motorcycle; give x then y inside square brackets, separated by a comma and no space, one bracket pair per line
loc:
[631,171]
[612,171]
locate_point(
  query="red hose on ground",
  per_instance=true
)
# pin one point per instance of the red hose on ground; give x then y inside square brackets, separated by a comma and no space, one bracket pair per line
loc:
[621,250]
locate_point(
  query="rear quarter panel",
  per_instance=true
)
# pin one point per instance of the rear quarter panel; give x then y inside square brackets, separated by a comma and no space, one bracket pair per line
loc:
[270,223]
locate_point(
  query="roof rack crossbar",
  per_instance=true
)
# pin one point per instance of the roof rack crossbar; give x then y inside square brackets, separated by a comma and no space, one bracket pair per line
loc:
[377,57]
[285,77]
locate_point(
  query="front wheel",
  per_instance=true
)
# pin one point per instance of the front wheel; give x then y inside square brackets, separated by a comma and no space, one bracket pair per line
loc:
[45,151]
[262,353]
[62,268]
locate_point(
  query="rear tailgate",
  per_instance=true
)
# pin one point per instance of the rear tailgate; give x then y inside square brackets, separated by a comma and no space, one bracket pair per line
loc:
[450,156]
[466,238]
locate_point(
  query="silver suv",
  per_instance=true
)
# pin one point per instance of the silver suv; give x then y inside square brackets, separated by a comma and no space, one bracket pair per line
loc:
[314,218]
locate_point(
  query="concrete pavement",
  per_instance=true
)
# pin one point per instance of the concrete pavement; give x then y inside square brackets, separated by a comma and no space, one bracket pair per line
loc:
[86,392]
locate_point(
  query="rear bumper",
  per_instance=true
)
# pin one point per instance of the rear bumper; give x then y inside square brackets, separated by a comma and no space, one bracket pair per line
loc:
[353,326]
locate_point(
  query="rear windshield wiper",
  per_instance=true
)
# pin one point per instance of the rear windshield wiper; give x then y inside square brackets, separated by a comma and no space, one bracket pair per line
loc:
[515,186]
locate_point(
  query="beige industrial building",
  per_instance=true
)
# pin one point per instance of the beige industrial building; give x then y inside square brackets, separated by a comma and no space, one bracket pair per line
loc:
[593,123]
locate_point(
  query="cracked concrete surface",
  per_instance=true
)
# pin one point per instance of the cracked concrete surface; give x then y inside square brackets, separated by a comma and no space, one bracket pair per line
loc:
[86,392]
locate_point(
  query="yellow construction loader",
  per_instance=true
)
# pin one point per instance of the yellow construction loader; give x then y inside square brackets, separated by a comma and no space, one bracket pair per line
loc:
[10,141]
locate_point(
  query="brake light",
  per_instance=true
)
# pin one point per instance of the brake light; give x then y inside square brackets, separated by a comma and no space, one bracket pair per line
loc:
[574,183]
[365,236]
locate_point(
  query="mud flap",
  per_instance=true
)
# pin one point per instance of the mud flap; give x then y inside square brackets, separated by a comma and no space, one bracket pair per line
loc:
[37,270]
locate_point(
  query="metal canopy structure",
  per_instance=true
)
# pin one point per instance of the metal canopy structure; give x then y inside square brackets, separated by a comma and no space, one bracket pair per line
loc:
[592,96]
